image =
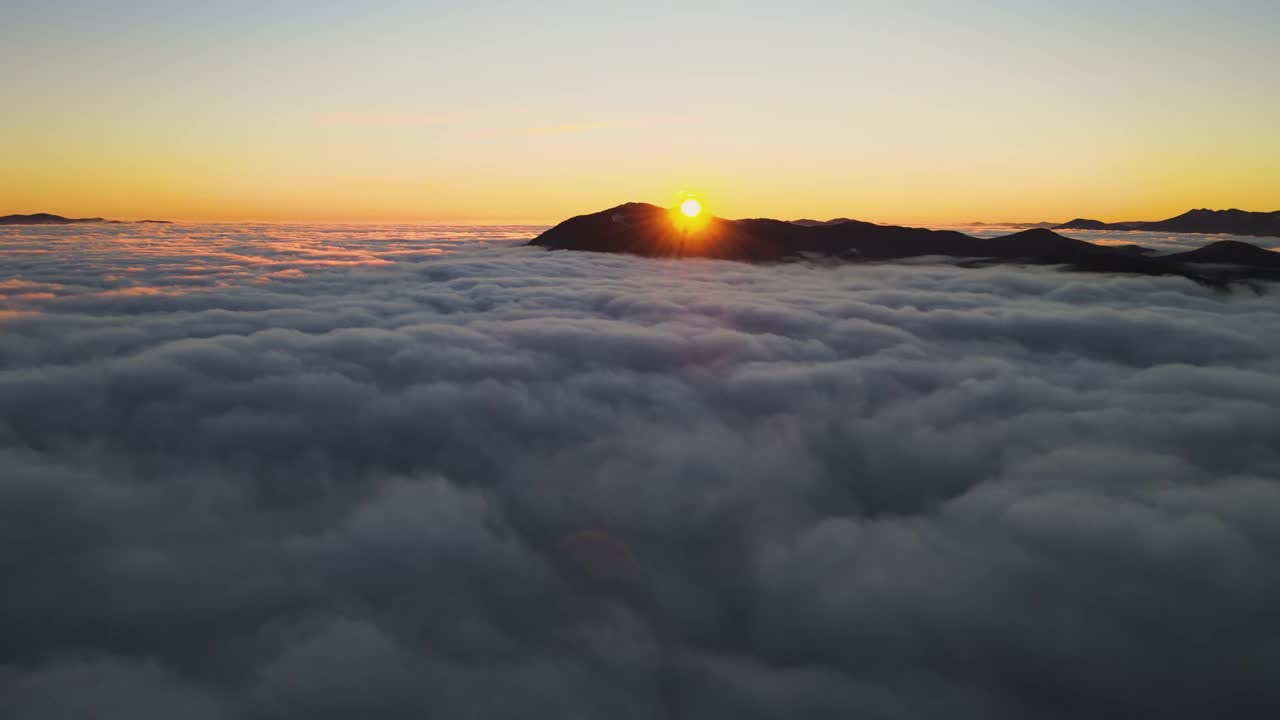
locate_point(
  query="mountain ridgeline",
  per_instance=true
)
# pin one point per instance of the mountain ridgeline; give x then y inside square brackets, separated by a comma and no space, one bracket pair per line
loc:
[1226,222]
[51,219]
[45,219]
[649,230]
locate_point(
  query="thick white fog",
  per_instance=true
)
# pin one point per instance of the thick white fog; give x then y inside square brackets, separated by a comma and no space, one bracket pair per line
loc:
[395,472]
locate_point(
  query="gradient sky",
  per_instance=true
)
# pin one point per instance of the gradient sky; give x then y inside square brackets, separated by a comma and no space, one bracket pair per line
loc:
[927,111]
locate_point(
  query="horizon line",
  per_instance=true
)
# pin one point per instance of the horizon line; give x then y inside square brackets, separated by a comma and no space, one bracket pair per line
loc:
[525,222]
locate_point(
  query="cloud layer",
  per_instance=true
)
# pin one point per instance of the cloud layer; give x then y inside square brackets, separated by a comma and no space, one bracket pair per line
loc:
[287,472]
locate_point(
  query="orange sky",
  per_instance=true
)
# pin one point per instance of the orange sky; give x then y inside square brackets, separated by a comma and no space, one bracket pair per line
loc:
[906,112]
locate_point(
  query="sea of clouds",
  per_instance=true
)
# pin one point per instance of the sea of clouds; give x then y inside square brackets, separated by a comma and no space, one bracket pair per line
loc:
[401,472]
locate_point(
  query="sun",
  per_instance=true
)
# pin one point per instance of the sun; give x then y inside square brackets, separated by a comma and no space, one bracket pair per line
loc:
[689,215]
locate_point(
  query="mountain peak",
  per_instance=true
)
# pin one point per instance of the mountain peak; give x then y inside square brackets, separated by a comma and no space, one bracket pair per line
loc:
[45,219]
[1199,220]
[642,229]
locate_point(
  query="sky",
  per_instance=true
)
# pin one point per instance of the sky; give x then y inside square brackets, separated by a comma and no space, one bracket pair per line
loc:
[925,111]
[283,472]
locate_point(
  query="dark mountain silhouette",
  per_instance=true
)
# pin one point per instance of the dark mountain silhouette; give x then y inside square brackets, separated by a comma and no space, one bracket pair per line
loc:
[1132,249]
[1087,224]
[649,230]
[44,219]
[1229,252]
[1228,222]
[1028,225]
[815,223]
[51,219]
[1233,222]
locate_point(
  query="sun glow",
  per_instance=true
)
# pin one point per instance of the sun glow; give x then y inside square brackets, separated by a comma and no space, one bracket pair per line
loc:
[689,215]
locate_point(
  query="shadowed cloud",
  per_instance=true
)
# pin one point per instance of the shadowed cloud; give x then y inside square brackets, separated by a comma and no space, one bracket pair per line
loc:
[407,472]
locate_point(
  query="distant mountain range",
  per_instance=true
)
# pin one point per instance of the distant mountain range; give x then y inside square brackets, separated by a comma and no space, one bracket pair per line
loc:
[649,230]
[1227,222]
[816,223]
[45,219]
[50,219]
[1049,225]
[1021,225]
